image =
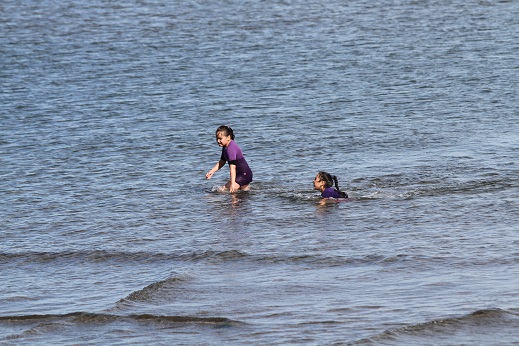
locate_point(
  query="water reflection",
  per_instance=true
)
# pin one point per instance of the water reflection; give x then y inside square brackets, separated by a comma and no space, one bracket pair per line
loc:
[230,206]
[239,199]
[326,206]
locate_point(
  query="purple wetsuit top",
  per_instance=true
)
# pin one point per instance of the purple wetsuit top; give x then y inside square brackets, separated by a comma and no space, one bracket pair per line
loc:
[233,155]
[331,192]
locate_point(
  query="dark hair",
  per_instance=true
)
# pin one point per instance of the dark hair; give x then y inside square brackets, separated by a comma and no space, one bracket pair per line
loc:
[330,180]
[227,130]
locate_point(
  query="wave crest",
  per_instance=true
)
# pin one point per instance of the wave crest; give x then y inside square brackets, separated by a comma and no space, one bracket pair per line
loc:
[99,318]
[479,327]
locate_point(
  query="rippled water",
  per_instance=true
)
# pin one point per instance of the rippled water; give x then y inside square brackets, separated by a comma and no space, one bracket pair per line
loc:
[111,235]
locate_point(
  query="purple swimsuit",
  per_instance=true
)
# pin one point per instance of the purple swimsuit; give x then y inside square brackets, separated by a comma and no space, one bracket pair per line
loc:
[233,155]
[331,192]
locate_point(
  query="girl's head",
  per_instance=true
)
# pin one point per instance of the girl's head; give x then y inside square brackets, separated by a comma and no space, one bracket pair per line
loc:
[324,180]
[224,135]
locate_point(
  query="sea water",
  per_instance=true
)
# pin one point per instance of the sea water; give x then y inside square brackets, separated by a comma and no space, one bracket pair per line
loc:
[110,233]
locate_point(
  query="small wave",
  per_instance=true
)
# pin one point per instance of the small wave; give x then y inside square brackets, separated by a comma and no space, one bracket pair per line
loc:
[225,256]
[95,256]
[99,256]
[399,186]
[148,292]
[474,328]
[17,299]
[99,318]
[218,190]
[185,319]
[214,255]
[236,255]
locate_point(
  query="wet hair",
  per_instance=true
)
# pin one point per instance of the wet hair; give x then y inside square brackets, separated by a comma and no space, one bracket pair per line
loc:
[330,180]
[226,130]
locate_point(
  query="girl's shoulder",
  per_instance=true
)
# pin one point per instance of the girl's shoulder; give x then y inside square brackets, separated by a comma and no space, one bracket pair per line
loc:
[233,145]
[330,192]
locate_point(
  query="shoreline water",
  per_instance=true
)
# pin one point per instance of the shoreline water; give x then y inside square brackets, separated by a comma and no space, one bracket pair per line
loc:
[111,235]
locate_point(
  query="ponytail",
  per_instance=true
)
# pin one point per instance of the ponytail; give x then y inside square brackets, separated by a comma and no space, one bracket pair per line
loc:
[227,130]
[343,194]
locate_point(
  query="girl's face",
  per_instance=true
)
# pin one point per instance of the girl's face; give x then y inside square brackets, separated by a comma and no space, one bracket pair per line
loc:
[222,139]
[318,183]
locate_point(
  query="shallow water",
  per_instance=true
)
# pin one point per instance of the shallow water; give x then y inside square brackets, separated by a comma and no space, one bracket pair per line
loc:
[111,235]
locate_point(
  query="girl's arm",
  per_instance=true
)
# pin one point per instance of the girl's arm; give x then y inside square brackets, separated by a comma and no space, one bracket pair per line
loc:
[325,201]
[216,167]
[233,187]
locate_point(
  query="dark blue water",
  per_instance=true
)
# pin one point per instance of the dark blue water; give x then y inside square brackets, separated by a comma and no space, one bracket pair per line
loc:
[111,235]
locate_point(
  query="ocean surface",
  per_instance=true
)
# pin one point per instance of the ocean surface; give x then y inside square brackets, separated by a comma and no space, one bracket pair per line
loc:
[111,235]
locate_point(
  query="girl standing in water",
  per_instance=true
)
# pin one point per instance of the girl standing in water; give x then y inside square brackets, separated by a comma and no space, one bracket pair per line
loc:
[324,181]
[240,173]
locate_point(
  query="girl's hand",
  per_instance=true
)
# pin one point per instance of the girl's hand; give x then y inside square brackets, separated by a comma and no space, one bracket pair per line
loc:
[209,174]
[234,187]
